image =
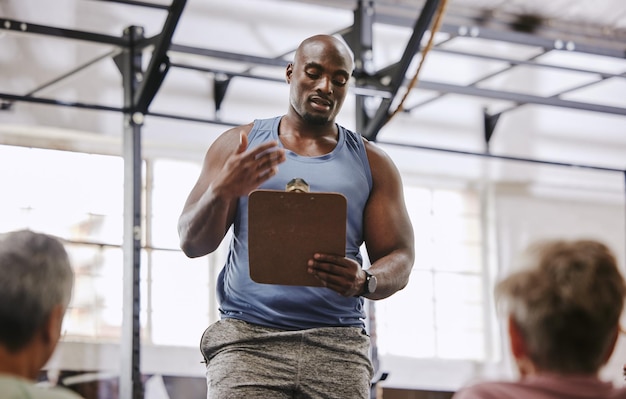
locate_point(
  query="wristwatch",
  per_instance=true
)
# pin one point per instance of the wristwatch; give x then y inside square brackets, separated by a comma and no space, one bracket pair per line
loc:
[370,283]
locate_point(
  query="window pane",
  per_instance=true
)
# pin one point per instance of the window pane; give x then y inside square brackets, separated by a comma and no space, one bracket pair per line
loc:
[455,202]
[454,345]
[80,197]
[95,311]
[72,195]
[180,304]
[458,257]
[173,180]
[405,323]
[440,312]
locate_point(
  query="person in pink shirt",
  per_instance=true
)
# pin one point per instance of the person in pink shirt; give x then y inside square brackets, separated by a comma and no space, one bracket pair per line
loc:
[563,312]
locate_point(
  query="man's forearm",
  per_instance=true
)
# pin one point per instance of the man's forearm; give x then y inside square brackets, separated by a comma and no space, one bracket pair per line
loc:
[392,273]
[202,226]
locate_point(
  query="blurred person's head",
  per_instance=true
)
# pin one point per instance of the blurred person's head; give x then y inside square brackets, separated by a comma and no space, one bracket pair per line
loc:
[563,307]
[36,283]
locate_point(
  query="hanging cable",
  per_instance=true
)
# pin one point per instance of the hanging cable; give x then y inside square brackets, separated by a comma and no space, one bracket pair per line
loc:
[435,27]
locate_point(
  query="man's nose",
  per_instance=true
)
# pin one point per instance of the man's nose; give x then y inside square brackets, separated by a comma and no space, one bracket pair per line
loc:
[325,84]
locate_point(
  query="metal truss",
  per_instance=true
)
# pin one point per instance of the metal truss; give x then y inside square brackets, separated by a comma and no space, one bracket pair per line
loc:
[383,84]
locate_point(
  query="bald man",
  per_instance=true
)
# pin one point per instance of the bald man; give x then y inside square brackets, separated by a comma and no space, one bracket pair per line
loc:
[276,341]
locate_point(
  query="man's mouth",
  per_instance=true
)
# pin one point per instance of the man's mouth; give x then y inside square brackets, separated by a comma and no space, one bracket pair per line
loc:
[320,102]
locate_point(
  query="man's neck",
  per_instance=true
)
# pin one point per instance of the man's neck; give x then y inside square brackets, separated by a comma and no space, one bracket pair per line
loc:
[307,139]
[24,363]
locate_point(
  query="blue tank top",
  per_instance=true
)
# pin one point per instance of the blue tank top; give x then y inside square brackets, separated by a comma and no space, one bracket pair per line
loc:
[345,170]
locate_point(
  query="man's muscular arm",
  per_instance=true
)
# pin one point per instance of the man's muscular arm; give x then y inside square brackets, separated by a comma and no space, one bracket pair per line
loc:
[388,237]
[388,230]
[229,172]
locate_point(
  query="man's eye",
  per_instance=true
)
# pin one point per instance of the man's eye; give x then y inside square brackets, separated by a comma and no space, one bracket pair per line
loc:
[312,75]
[340,82]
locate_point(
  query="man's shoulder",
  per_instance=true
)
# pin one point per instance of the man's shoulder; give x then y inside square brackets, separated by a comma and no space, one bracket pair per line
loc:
[17,388]
[351,133]
[54,393]
[261,126]
[489,390]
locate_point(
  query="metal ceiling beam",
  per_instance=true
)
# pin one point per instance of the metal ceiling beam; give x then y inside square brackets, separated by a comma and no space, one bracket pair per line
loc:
[136,3]
[97,107]
[52,101]
[398,71]
[26,27]
[531,63]
[193,119]
[371,87]
[216,71]
[474,83]
[58,79]
[159,62]
[504,157]
[489,126]
[356,90]
[228,56]
[472,29]
[360,38]
[519,97]
[529,39]
[220,86]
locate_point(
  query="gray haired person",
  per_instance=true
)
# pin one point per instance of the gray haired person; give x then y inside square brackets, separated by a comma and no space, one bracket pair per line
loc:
[36,283]
[563,311]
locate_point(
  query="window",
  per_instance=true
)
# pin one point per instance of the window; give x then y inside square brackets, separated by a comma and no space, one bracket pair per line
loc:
[441,312]
[79,197]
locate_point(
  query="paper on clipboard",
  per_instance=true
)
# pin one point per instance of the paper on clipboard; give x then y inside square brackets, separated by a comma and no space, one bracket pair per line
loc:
[285,229]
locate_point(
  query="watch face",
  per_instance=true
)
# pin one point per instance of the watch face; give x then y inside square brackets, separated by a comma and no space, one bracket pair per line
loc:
[371,283]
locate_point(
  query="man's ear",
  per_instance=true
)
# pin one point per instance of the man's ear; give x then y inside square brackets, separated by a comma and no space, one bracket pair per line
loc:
[611,346]
[289,72]
[518,346]
[51,330]
[525,365]
[49,334]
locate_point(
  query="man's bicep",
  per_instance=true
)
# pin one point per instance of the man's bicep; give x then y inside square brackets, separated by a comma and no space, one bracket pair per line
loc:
[214,161]
[387,224]
[388,229]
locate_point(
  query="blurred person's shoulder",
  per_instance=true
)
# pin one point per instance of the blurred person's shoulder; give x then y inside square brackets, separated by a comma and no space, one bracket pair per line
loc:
[543,387]
[17,388]
[489,390]
[619,393]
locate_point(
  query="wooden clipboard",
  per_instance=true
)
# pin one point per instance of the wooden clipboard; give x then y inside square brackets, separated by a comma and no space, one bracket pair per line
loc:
[285,229]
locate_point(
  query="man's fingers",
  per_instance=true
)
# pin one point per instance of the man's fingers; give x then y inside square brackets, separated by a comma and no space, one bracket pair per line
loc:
[243,142]
[270,149]
[267,173]
[333,259]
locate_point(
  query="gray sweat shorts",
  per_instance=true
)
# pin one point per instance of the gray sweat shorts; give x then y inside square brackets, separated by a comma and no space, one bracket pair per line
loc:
[245,360]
